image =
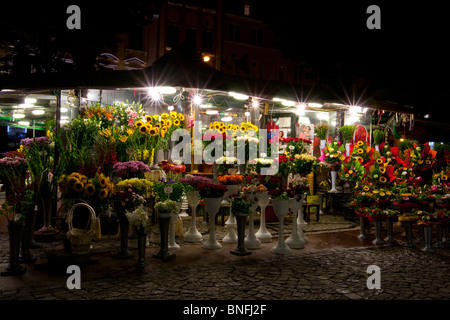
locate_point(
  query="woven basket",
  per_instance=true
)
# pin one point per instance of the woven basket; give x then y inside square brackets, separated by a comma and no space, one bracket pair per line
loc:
[80,239]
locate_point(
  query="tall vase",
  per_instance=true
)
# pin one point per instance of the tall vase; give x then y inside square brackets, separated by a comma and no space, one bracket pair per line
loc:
[389,227]
[323,144]
[240,249]
[230,224]
[124,226]
[408,232]
[46,199]
[14,267]
[320,196]
[281,207]
[27,237]
[428,239]
[378,240]
[439,233]
[251,241]
[263,200]
[334,174]
[193,235]
[141,240]
[347,149]
[294,241]
[164,221]
[212,206]
[173,245]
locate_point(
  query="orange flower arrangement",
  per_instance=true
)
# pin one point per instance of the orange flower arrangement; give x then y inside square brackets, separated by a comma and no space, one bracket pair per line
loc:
[231,179]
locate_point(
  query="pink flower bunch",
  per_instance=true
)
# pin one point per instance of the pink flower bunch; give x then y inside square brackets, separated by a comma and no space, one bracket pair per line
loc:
[14,162]
[40,141]
[130,169]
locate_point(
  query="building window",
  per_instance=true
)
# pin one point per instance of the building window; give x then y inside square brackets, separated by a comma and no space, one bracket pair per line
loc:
[172,36]
[191,37]
[207,41]
[235,32]
[257,37]
[246,10]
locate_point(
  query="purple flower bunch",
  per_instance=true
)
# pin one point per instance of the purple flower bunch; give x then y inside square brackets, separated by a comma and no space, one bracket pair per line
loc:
[194,181]
[130,169]
[15,162]
[39,141]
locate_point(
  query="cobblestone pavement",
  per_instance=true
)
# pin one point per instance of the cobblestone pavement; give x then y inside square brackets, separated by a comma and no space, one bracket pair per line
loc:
[332,266]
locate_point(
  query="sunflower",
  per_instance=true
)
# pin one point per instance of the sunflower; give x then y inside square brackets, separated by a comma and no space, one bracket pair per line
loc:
[163,122]
[211,126]
[444,177]
[72,181]
[163,133]
[366,188]
[173,114]
[89,189]
[360,151]
[152,132]
[380,161]
[242,129]
[139,123]
[217,126]
[148,118]
[360,159]
[143,129]
[157,125]
[236,127]
[383,179]
[78,186]
[102,181]
[359,143]
[382,194]
[382,170]
[221,130]
[230,127]
[168,123]
[176,122]
[103,194]
[427,162]
[181,116]
[164,115]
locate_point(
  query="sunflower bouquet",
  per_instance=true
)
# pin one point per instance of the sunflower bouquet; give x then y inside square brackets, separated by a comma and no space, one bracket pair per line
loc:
[362,152]
[382,173]
[352,170]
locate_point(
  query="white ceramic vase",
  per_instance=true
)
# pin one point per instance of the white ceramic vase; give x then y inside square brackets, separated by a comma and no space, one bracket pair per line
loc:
[294,241]
[230,224]
[251,241]
[281,208]
[193,235]
[263,234]
[212,205]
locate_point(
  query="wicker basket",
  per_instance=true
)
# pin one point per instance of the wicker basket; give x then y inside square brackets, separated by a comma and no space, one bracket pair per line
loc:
[80,239]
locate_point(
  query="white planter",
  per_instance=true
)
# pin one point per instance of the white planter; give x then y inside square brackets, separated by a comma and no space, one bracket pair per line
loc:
[212,205]
[193,235]
[294,241]
[263,200]
[251,241]
[231,236]
[281,208]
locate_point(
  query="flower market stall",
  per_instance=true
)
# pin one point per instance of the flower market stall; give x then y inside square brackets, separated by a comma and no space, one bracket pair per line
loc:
[137,155]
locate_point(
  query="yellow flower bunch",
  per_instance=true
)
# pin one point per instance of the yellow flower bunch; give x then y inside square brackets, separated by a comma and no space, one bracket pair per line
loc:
[78,185]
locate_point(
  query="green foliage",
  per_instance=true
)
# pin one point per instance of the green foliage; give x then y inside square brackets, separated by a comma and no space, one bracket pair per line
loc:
[378,137]
[347,132]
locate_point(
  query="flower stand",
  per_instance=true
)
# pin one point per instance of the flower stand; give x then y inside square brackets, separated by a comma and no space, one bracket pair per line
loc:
[212,206]
[231,236]
[240,249]
[263,200]
[294,241]
[320,196]
[301,223]
[193,235]
[251,241]
[164,221]
[14,267]
[173,245]
[421,231]
[334,174]
[408,231]
[281,208]
[363,227]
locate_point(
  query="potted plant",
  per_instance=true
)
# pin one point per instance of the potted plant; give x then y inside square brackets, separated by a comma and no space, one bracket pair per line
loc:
[378,138]
[322,133]
[347,134]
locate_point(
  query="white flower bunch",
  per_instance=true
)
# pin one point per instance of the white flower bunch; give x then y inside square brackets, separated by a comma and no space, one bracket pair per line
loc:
[137,218]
